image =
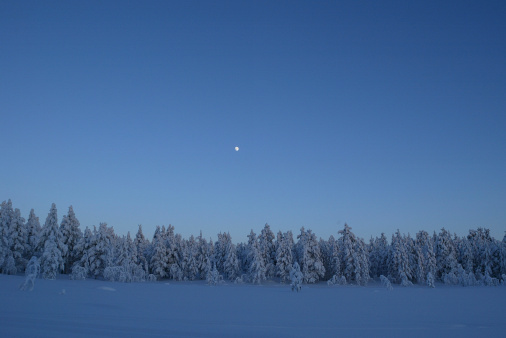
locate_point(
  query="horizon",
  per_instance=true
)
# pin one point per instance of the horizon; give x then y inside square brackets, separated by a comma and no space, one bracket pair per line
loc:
[383,116]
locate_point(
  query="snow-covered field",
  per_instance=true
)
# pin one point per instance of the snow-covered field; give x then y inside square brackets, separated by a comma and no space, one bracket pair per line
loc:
[91,308]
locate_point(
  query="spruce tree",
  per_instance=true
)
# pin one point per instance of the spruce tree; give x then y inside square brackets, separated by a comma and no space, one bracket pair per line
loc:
[142,245]
[231,263]
[33,230]
[51,229]
[18,240]
[267,250]
[310,257]
[158,264]
[284,256]
[7,263]
[51,261]
[72,234]
[400,270]
[446,255]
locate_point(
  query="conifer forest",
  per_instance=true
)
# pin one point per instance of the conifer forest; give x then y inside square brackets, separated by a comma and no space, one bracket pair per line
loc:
[62,247]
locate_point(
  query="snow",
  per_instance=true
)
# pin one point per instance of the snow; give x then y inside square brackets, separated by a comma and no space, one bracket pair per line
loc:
[194,309]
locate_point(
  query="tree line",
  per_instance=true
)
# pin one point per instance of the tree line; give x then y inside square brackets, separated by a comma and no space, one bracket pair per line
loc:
[63,248]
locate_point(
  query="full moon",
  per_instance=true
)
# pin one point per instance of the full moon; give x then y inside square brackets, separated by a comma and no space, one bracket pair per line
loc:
[236,148]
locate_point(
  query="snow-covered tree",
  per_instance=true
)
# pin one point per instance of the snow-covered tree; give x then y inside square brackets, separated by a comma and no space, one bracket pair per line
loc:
[142,245]
[190,257]
[399,264]
[296,277]
[268,250]
[51,229]
[213,276]
[219,251]
[335,273]
[386,283]
[31,273]
[72,234]
[176,270]
[284,255]
[33,230]
[354,257]
[82,252]
[378,256]
[257,271]
[486,253]
[310,256]
[426,257]
[52,260]
[446,255]
[7,263]
[204,256]
[326,256]
[101,252]
[231,263]
[465,255]
[18,241]
[173,245]
[431,280]
[125,267]
[158,264]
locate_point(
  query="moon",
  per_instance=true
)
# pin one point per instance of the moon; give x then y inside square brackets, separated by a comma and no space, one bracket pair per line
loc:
[236,148]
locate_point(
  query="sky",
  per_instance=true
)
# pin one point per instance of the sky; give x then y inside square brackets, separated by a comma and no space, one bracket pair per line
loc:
[384,115]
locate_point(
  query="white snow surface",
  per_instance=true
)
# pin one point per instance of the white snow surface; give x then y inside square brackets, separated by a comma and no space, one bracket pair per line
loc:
[88,308]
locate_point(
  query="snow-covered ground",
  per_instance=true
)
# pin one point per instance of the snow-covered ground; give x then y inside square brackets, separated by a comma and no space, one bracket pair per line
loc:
[91,308]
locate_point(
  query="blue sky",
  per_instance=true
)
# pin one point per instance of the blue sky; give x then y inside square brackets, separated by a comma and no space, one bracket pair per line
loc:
[384,115]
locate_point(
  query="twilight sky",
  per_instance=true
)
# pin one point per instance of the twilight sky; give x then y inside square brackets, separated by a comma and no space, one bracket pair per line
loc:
[381,114]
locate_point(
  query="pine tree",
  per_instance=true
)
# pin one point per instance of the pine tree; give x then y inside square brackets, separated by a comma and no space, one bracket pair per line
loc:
[257,271]
[101,252]
[426,257]
[446,255]
[336,272]
[252,241]
[72,234]
[466,259]
[18,239]
[310,257]
[51,261]
[190,257]
[231,264]
[354,257]
[219,252]
[125,268]
[284,256]
[51,229]
[362,271]
[173,253]
[267,250]
[7,263]
[204,256]
[176,270]
[33,230]
[142,245]
[83,251]
[213,276]
[296,277]
[400,269]
[384,248]
[158,264]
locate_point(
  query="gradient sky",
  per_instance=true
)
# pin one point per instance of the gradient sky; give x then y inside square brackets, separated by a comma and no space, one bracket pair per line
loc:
[381,114]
